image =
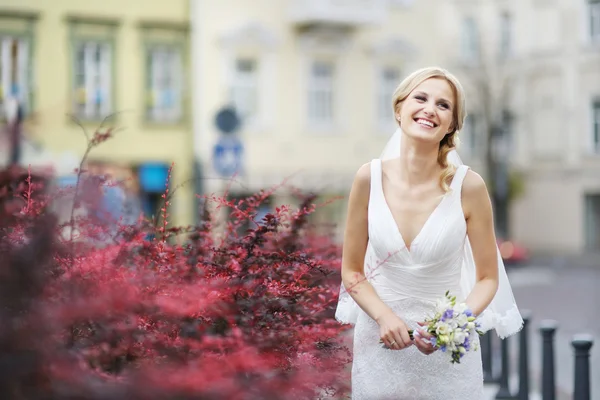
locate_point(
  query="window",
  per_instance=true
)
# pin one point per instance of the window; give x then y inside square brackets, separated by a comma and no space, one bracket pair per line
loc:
[592,221]
[15,65]
[505,35]
[594,6]
[389,78]
[596,128]
[245,88]
[471,135]
[164,83]
[320,93]
[92,79]
[470,40]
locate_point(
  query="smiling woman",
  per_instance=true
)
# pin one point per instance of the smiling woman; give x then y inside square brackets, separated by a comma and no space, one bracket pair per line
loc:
[416,224]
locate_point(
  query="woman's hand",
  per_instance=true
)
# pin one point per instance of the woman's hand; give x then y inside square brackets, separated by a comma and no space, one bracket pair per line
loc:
[423,340]
[393,332]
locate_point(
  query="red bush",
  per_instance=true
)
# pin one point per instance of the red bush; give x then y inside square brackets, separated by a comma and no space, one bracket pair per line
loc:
[188,314]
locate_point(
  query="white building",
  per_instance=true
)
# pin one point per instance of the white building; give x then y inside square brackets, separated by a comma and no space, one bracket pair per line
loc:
[313,81]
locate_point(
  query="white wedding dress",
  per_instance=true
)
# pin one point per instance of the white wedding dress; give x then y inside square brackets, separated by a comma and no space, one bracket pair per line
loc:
[410,282]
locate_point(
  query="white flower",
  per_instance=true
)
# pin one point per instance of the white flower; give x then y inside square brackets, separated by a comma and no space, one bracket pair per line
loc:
[462,320]
[460,308]
[442,305]
[459,336]
[471,326]
[442,329]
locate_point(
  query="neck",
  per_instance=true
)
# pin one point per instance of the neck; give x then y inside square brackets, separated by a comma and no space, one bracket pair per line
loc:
[418,161]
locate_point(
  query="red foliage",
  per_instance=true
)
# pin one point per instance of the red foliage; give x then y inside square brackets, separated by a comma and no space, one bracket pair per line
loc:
[207,316]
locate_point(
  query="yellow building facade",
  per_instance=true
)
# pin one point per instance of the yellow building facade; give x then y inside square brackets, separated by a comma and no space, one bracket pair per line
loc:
[312,82]
[126,63]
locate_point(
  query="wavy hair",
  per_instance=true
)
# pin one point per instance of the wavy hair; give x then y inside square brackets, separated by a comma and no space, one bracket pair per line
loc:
[451,140]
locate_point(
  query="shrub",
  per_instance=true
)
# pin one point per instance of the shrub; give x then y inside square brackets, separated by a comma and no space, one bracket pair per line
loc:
[193,313]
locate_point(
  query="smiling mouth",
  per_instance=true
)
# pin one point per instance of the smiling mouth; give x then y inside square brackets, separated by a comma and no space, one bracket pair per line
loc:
[426,123]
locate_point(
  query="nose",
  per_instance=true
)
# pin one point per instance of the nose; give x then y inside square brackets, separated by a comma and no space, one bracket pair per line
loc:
[428,109]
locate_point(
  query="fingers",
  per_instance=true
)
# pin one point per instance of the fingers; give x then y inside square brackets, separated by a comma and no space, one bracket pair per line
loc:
[401,342]
[405,337]
[424,346]
[423,334]
[397,340]
[390,343]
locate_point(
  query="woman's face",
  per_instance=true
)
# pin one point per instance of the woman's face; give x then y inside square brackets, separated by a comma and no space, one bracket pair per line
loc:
[427,113]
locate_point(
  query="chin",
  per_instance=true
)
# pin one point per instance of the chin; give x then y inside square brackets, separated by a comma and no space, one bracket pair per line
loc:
[422,135]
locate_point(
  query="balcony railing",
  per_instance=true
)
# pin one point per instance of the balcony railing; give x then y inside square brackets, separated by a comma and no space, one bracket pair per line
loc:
[337,12]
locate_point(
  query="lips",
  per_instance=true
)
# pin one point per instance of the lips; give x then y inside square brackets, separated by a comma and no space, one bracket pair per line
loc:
[426,123]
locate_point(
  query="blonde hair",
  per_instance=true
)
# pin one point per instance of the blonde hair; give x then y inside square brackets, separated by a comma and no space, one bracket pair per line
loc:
[451,140]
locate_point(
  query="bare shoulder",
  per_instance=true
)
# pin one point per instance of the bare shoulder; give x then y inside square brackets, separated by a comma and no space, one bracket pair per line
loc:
[475,193]
[362,180]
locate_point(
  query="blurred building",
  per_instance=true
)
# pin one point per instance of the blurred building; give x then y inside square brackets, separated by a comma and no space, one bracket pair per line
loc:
[121,62]
[313,79]
[539,63]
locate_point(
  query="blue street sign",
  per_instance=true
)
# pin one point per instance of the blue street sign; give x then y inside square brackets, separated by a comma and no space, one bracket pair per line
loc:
[227,155]
[227,120]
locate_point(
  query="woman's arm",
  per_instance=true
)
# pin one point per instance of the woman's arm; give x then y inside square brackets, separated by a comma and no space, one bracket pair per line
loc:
[480,230]
[392,329]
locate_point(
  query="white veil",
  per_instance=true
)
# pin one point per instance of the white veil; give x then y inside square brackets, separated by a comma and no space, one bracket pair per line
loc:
[501,315]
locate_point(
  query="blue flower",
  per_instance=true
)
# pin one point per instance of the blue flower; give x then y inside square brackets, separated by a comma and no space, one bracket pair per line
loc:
[433,341]
[443,348]
[468,313]
[467,344]
[447,314]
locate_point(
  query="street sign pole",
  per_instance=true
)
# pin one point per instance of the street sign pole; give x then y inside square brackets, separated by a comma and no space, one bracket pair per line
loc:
[228,151]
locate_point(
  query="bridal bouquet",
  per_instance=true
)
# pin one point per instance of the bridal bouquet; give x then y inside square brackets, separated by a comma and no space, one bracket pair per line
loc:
[453,328]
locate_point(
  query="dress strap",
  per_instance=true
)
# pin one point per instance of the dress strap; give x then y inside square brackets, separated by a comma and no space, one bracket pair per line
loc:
[459,177]
[376,178]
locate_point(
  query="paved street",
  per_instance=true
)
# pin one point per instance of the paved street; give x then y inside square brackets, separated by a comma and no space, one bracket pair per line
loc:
[571,296]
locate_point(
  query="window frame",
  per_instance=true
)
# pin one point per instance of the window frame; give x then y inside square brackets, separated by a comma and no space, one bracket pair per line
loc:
[104,66]
[103,31]
[383,97]
[594,137]
[470,46]
[314,121]
[506,35]
[254,83]
[173,36]
[593,15]
[21,25]
[180,82]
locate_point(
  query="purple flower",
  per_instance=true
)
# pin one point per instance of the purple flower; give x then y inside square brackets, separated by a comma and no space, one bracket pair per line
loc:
[468,313]
[467,344]
[443,348]
[433,341]
[447,314]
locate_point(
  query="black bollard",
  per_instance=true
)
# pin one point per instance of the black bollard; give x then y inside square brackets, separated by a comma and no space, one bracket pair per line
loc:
[504,389]
[582,345]
[548,329]
[487,353]
[524,357]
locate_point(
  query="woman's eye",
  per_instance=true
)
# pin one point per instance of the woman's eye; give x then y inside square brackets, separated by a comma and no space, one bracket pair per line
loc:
[420,98]
[444,106]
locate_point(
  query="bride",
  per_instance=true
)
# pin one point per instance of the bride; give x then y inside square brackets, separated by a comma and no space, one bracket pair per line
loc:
[419,224]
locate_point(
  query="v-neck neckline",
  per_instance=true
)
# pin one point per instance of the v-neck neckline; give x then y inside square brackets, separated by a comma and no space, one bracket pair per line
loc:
[387,206]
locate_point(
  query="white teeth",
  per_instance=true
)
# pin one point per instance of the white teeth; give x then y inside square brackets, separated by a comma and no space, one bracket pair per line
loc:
[425,122]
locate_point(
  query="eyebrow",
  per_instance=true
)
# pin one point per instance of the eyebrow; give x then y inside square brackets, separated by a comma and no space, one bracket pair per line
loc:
[442,99]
